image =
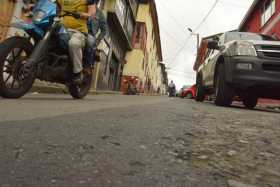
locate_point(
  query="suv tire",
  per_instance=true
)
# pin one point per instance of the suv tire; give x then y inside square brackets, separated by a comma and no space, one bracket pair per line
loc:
[223,92]
[200,90]
[250,101]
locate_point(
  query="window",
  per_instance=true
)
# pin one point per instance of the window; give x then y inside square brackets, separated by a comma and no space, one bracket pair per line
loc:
[268,11]
[140,36]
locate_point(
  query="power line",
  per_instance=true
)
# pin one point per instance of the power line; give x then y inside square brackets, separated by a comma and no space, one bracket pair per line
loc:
[197,27]
[173,18]
[207,15]
[174,39]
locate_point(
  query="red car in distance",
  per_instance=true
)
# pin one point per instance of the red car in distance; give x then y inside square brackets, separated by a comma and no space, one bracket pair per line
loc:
[189,93]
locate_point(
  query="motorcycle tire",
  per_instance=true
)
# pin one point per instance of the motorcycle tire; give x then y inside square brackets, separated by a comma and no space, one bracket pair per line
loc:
[80,91]
[14,52]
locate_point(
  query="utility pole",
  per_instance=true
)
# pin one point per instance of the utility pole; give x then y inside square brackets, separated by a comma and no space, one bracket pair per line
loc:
[197,37]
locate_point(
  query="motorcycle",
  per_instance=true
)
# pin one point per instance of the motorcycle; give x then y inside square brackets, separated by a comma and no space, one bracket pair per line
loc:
[131,85]
[38,55]
[172,92]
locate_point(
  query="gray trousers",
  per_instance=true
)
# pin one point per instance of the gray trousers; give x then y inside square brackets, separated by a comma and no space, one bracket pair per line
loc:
[91,40]
[76,44]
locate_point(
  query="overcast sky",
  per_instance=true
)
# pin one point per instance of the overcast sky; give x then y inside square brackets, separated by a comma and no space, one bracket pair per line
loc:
[175,16]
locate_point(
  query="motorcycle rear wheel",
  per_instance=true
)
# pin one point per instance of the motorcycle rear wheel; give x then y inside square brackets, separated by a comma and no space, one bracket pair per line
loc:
[80,91]
[14,82]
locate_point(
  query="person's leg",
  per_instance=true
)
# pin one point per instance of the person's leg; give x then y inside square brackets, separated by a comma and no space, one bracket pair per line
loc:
[76,45]
[90,50]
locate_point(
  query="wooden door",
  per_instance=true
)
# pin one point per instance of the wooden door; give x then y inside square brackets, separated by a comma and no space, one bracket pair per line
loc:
[6,12]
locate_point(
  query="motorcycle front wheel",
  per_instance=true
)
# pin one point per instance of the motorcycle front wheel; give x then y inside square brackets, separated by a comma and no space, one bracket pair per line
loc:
[14,81]
[79,91]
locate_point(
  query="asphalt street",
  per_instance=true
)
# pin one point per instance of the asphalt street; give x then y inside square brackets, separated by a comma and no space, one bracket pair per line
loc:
[136,141]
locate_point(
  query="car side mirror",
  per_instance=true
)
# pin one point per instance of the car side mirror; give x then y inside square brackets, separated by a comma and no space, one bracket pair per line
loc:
[213,45]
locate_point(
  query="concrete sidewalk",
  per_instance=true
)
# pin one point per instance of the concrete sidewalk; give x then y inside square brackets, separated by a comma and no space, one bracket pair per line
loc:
[54,88]
[60,89]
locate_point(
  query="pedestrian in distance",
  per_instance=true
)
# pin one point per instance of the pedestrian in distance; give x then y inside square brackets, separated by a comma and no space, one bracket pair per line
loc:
[172,89]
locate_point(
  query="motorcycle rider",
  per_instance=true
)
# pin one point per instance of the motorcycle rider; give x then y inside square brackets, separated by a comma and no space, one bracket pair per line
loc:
[76,29]
[76,26]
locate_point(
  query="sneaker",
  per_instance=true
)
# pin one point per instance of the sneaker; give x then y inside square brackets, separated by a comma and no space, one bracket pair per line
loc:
[78,78]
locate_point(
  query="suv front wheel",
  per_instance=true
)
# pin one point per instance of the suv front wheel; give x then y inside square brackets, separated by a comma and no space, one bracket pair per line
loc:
[200,91]
[223,92]
[250,101]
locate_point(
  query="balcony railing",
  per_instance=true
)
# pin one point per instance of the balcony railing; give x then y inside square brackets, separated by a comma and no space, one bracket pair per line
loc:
[123,10]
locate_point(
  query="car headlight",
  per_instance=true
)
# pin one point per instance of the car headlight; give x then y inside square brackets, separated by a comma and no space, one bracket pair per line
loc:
[242,49]
[38,16]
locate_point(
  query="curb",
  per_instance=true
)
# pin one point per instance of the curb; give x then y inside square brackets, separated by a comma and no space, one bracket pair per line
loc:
[61,90]
[272,107]
[145,94]
[48,89]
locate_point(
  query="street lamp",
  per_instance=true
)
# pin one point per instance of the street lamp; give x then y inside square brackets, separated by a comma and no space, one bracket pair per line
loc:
[197,37]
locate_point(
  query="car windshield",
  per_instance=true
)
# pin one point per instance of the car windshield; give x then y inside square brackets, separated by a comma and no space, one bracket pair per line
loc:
[247,36]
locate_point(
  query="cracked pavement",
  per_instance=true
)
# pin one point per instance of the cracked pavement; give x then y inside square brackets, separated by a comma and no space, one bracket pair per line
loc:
[114,140]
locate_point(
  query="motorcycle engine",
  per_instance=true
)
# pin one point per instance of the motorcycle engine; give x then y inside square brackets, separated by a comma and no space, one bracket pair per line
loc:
[55,70]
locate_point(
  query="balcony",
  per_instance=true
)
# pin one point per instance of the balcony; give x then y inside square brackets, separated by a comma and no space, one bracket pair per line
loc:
[121,16]
[134,7]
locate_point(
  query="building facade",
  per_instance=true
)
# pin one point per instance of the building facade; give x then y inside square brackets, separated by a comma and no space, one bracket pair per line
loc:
[263,17]
[120,16]
[162,80]
[144,58]
[6,12]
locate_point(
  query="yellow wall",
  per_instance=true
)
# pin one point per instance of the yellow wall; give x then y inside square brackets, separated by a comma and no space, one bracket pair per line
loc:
[134,64]
[151,47]
[110,5]
[135,57]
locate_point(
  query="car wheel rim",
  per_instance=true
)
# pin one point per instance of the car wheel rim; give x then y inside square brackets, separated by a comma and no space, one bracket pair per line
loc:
[12,71]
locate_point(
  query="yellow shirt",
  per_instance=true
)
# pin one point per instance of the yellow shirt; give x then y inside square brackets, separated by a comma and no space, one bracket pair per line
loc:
[74,6]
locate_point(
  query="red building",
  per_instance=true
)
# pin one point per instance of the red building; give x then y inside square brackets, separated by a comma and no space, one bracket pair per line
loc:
[263,17]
